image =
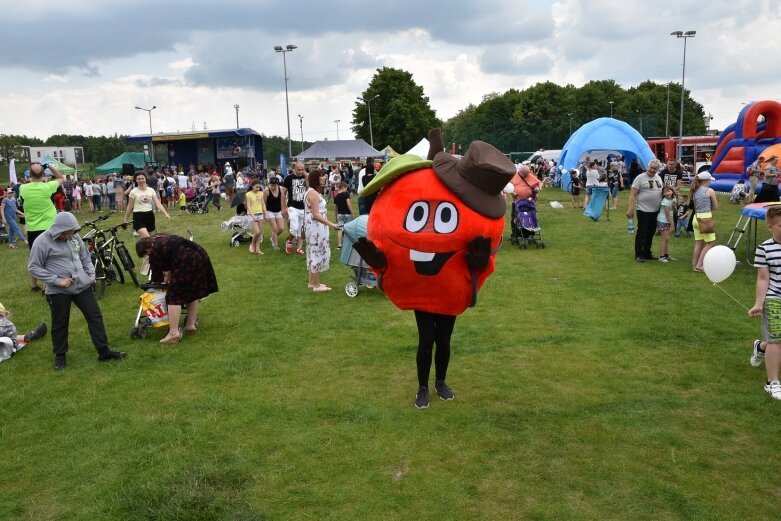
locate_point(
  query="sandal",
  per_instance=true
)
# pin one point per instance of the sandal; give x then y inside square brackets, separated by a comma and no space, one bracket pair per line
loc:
[698,270]
[321,288]
[171,339]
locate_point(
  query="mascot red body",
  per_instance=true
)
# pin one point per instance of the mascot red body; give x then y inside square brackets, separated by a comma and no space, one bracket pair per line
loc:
[424,230]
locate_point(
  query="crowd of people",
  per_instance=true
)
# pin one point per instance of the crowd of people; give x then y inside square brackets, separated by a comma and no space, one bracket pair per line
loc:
[296,203]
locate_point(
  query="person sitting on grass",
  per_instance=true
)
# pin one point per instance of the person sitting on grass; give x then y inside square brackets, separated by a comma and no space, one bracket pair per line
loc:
[767,303]
[9,339]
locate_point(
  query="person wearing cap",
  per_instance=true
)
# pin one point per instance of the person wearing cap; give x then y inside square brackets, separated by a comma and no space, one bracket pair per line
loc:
[275,201]
[61,260]
[704,204]
[645,198]
[769,191]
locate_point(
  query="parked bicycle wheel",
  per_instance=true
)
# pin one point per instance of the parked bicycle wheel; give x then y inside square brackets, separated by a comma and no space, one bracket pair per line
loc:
[127,262]
[118,273]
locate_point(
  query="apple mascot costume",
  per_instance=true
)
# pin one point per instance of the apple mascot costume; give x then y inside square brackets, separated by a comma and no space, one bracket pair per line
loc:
[433,234]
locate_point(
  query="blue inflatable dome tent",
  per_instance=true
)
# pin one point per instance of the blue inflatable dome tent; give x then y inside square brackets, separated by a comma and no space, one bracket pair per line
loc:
[603,134]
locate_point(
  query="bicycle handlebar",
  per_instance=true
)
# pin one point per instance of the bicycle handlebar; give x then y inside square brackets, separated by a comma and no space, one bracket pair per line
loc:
[95,221]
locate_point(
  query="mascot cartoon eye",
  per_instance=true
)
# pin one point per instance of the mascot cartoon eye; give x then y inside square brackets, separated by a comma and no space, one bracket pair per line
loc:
[445,218]
[417,216]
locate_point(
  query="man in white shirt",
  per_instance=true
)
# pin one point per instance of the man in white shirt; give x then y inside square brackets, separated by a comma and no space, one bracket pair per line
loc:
[181,180]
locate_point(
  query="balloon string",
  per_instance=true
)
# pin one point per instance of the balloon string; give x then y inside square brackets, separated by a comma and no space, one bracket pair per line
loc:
[730,296]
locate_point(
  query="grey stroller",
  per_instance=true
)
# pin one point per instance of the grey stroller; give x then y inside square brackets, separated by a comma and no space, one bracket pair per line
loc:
[362,274]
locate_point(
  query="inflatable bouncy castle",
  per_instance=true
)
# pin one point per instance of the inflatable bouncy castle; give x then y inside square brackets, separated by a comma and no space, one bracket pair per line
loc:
[757,129]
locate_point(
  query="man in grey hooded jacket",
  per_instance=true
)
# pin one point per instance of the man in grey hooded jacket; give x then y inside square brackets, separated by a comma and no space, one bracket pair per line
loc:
[60,259]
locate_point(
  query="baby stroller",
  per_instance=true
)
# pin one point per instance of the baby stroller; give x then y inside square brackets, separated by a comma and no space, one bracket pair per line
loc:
[241,228]
[152,311]
[200,203]
[525,227]
[3,233]
[362,275]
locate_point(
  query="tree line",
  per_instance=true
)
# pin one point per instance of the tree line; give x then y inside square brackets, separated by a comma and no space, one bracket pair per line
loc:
[97,149]
[541,116]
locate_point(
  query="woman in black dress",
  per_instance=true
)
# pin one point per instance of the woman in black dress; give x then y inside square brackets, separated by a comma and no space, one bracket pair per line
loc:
[185,267]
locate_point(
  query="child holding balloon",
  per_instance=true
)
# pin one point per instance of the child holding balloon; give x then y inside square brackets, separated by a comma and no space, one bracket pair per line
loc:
[767,303]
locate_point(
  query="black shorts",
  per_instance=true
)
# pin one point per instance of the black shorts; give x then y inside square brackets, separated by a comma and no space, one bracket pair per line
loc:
[144,220]
[31,236]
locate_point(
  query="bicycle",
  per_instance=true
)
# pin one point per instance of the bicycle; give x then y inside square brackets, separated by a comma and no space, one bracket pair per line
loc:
[102,251]
[115,245]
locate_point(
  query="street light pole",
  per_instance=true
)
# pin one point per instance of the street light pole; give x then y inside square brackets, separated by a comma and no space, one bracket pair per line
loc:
[611,107]
[369,106]
[288,48]
[569,114]
[151,144]
[667,116]
[301,124]
[236,106]
[685,35]
[337,128]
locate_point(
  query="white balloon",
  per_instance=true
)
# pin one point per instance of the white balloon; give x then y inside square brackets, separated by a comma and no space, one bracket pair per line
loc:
[509,188]
[719,263]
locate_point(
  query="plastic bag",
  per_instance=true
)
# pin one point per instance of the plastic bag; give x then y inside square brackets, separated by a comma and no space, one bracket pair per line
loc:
[155,308]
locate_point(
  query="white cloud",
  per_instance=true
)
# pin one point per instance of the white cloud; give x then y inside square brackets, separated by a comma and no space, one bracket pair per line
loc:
[214,56]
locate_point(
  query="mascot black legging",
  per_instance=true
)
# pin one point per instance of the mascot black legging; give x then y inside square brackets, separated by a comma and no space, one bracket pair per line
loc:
[433,328]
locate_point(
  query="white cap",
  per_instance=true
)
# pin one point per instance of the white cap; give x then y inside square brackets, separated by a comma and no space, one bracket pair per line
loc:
[705,176]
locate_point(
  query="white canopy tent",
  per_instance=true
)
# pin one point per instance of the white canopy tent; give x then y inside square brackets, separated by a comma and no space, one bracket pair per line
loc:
[421,149]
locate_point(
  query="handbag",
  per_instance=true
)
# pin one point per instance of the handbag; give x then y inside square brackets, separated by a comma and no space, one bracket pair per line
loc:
[706,224]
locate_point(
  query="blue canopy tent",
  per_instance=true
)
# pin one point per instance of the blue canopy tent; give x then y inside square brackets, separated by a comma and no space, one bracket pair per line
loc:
[603,134]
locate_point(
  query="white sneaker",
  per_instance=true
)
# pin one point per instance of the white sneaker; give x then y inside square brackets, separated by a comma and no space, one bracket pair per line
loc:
[663,259]
[773,389]
[757,356]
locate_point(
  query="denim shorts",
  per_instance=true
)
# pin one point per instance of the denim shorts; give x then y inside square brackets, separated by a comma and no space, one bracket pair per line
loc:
[343,218]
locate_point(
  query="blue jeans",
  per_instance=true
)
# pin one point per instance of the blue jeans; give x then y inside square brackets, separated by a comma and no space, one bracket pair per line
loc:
[112,201]
[13,229]
[682,224]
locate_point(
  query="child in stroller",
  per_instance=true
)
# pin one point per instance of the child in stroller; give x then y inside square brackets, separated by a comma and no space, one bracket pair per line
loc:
[362,275]
[525,227]
[241,228]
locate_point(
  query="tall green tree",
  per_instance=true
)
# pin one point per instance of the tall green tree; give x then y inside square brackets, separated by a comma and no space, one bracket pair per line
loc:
[400,111]
[10,148]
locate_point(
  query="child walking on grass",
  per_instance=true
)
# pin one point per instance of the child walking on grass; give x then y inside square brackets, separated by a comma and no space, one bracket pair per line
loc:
[576,184]
[767,303]
[683,216]
[664,222]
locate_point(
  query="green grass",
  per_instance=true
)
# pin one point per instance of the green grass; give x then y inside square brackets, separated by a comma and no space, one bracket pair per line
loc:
[587,387]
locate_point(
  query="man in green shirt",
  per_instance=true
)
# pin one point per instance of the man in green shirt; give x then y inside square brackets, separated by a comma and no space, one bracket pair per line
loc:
[39,210]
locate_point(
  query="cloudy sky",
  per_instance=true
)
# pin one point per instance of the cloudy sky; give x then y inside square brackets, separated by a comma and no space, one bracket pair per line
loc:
[80,66]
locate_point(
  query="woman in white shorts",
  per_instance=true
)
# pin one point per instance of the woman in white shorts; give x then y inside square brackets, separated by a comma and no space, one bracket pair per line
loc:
[275,201]
[255,209]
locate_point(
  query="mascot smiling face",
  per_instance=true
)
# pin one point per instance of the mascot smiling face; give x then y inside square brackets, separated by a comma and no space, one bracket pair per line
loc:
[423,229]
[424,219]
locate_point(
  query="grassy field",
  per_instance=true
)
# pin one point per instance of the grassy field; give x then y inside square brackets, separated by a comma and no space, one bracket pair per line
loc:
[588,387]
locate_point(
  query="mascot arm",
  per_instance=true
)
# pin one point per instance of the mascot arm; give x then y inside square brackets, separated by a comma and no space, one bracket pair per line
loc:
[373,256]
[478,253]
